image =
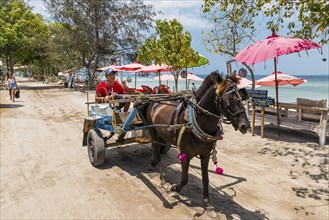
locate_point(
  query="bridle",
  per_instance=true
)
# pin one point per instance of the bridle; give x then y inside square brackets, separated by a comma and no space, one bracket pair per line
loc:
[224,98]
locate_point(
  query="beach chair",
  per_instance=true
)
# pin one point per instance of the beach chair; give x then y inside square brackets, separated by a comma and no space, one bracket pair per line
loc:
[163,89]
[132,91]
[148,90]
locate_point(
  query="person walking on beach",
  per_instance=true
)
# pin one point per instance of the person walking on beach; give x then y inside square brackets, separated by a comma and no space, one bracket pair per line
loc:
[11,84]
[107,90]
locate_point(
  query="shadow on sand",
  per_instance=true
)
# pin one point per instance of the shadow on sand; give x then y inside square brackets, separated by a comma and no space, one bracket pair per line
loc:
[41,87]
[135,159]
[11,105]
[288,134]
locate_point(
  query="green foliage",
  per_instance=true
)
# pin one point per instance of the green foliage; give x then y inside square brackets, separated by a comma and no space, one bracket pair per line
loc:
[173,47]
[233,22]
[22,33]
[305,19]
[99,31]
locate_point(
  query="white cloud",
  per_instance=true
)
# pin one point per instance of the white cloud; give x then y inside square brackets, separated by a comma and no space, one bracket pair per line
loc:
[187,12]
[38,7]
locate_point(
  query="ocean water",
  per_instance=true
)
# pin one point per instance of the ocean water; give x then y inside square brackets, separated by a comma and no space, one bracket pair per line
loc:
[316,88]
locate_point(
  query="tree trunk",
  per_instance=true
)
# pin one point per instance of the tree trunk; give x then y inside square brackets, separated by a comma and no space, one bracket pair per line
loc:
[251,74]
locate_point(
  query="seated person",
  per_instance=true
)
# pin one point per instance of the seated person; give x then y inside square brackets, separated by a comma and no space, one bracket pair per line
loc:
[107,89]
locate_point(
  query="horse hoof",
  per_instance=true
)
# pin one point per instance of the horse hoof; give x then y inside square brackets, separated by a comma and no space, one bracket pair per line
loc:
[166,186]
[210,211]
[175,188]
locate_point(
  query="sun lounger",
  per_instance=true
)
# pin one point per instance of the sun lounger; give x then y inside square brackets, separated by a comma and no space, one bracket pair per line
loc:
[132,91]
[147,89]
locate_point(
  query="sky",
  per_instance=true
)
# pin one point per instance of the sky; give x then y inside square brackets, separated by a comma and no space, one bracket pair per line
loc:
[188,13]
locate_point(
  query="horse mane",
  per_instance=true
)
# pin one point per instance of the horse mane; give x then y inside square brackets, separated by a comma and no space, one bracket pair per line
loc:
[208,81]
[233,78]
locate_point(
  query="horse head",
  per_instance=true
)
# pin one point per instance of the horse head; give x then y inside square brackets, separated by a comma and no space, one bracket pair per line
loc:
[230,102]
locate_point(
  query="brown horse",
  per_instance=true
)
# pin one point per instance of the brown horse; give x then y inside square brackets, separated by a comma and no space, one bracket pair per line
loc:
[201,119]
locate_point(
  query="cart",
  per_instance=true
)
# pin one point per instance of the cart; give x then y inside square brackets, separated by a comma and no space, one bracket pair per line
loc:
[122,127]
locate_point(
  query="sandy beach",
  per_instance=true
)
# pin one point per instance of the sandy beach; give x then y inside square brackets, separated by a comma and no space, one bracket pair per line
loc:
[46,174]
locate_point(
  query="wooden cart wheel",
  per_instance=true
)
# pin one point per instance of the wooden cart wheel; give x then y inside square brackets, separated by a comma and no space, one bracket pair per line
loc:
[96,147]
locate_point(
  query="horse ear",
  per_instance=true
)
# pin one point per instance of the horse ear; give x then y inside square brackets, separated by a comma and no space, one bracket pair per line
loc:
[219,78]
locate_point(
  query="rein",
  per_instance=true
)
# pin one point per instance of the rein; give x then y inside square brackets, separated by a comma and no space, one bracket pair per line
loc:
[232,117]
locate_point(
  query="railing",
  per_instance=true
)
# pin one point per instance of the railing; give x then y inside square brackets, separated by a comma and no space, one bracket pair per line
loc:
[314,119]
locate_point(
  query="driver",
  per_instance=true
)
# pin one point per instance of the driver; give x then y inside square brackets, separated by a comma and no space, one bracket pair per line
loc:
[108,89]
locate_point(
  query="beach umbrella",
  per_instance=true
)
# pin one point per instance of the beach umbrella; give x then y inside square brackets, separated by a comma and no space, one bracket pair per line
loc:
[201,62]
[273,47]
[165,77]
[191,76]
[132,67]
[244,82]
[155,68]
[113,67]
[283,79]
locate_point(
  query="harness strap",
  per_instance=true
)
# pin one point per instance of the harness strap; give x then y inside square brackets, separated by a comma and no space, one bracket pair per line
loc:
[197,131]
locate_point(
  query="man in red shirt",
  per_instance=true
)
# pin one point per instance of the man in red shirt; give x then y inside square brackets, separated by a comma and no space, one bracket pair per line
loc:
[107,90]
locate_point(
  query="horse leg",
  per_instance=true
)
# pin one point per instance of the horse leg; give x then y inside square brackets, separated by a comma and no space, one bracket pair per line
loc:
[156,154]
[205,180]
[184,176]
[155,146]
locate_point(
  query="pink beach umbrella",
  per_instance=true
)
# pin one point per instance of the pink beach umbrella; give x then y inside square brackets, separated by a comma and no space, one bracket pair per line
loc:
[283,79]
[132,67]
[113,66]
[155,68]
[191,76]
[244,82]
[165,77]
[273,47]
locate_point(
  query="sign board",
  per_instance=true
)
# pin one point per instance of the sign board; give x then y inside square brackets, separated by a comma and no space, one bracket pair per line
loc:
[255,93]
[259,97]
[263,102]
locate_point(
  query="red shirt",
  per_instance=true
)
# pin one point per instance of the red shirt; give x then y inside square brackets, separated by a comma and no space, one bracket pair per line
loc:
[103,87]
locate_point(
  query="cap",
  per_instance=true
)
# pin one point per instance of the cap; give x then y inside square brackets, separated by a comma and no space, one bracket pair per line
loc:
[110,71]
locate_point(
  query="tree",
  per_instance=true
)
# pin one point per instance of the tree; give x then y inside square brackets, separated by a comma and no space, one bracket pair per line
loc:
[172,47]
[305,19]
[21,32]
[234,22]
[231,28]
[98,30]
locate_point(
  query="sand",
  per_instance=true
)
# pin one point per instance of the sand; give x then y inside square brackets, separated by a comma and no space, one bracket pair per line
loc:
[46,173]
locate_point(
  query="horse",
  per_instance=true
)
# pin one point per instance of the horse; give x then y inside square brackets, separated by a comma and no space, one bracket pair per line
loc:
[200,124]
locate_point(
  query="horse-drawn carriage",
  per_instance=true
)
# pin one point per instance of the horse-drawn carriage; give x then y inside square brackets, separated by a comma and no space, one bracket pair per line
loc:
[190,121]
[106,126]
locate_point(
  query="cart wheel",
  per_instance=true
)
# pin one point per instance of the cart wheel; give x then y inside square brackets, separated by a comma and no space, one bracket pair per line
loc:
[96,147]
[165,148]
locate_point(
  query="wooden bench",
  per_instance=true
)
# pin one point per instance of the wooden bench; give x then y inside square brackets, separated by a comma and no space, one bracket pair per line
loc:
[295,116]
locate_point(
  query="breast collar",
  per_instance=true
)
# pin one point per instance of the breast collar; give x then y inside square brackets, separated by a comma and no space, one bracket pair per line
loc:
[195,128]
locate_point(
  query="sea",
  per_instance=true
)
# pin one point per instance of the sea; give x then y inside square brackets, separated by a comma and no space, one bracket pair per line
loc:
[316,87]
